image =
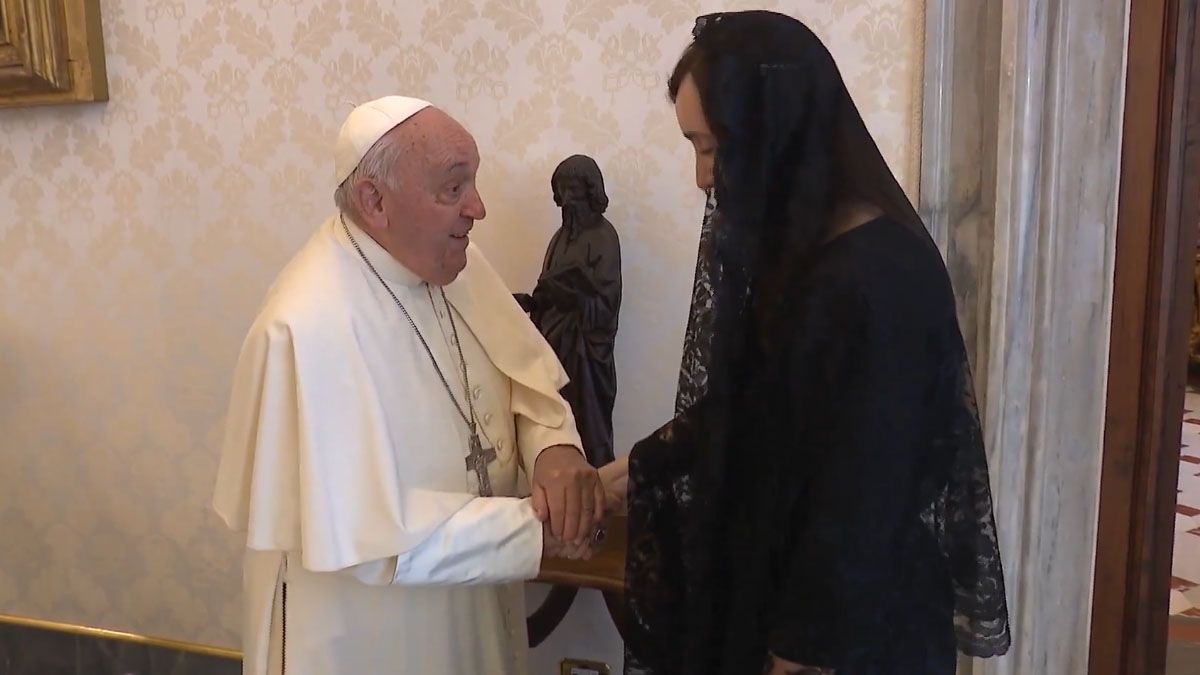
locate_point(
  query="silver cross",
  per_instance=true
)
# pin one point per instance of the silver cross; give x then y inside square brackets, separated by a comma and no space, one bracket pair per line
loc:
[477,460]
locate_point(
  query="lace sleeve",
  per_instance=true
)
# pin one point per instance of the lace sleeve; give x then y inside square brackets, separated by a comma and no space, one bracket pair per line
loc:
[661,487]
[660,507]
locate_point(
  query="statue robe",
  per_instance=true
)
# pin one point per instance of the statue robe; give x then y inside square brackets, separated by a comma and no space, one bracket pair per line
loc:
[576,305]
[344,464]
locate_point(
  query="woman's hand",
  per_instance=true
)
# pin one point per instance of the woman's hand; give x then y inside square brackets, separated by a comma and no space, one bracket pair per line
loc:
[615,478]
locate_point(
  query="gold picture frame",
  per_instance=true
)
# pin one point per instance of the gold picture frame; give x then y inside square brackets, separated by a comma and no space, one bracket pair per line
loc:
[51,52]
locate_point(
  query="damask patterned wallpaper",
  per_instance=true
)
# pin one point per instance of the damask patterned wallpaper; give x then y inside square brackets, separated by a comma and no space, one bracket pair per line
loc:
[137,238]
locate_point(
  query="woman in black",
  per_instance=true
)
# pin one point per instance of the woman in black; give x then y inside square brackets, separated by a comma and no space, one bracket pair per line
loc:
[821,503]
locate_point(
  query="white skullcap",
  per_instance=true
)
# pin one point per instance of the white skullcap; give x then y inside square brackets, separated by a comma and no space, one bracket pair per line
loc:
[365,125]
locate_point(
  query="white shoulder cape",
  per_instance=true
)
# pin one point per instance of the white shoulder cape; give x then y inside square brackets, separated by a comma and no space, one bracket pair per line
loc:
[307,464]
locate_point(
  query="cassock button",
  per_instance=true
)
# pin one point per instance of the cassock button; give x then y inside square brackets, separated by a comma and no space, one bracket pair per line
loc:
[500,445]
[477,392]
[487,418]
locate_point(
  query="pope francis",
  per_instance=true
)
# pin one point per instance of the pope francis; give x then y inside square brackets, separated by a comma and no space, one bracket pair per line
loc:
[388,393]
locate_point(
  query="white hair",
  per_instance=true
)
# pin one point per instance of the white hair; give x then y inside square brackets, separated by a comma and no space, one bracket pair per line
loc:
[378,164]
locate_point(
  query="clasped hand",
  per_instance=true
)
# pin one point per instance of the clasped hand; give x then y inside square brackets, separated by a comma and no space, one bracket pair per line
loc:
[615,477]
[568,498]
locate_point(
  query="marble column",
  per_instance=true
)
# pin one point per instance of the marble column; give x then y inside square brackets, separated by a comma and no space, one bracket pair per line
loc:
[958,167]
[1020,166]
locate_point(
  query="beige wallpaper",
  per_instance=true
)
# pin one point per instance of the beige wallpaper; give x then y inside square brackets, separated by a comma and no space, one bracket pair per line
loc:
[137,237]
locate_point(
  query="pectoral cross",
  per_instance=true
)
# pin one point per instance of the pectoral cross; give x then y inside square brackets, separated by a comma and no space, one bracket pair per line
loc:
[477,460]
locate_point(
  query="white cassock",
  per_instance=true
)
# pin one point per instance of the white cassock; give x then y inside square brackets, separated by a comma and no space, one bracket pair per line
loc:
[368,549]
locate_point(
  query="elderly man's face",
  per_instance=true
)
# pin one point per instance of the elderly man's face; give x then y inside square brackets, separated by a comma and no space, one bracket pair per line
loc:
[431,212]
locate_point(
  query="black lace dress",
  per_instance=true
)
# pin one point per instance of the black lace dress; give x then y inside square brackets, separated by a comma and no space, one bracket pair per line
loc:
[849,523]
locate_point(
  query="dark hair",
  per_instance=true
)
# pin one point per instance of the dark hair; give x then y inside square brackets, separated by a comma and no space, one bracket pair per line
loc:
[791,143]
[771,94]
[694,61]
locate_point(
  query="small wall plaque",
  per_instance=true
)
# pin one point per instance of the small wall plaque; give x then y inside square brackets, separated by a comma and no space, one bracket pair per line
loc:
[51,52]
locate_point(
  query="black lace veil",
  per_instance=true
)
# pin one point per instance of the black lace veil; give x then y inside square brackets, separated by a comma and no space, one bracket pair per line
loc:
[792,146]
[697,339]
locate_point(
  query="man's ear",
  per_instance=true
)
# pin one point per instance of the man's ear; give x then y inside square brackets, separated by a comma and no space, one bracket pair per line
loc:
[369,202]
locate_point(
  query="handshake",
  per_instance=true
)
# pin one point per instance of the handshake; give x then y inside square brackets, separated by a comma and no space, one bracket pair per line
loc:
[574,500]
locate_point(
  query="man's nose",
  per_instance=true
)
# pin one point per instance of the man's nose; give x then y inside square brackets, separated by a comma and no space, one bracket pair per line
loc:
[474,208]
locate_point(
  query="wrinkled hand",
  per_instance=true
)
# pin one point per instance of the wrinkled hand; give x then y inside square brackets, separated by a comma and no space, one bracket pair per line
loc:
[615,477]
[567,494]
[552,547]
